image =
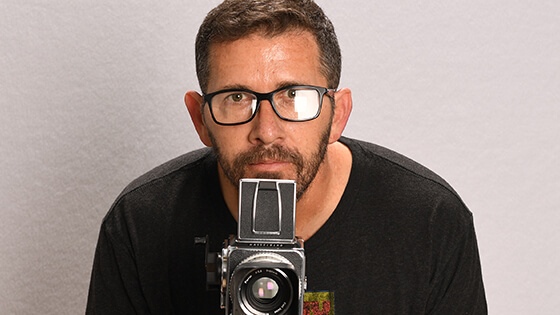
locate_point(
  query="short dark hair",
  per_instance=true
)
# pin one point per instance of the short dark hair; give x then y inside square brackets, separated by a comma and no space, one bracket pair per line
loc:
[234,19]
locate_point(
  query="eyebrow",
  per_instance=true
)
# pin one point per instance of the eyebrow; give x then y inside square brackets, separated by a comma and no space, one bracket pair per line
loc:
[280,85]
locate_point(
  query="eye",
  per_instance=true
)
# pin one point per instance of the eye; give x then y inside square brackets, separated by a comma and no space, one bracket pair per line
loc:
[291,93]
[236,97]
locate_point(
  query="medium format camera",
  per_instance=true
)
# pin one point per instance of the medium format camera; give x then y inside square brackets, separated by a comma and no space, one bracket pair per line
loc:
[262,269]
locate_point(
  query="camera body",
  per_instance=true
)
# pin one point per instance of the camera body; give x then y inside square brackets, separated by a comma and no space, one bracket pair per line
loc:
[262,269]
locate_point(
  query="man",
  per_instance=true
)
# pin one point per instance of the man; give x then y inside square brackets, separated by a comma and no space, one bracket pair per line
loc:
[383,235]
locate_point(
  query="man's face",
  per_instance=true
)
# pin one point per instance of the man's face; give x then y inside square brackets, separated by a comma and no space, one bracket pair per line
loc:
[267,146]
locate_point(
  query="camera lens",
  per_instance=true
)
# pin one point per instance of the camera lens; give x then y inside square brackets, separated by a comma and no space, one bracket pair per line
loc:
[265,288]
[266,291]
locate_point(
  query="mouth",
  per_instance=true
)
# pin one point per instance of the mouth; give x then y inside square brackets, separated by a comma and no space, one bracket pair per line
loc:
[273,162]
[268,165]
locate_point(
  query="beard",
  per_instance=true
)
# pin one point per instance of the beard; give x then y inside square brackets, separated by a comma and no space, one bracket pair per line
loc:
[305,169]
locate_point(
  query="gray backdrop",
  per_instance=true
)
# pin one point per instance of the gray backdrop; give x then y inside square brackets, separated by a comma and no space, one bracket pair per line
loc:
[91,97]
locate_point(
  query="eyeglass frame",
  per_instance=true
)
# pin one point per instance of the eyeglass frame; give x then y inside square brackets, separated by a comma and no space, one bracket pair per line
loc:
[268,97]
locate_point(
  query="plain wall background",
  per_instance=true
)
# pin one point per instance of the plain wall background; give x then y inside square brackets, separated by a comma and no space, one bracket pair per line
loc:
[91,96]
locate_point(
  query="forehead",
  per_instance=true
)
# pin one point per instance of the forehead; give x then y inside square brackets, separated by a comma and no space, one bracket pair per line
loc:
[259,60]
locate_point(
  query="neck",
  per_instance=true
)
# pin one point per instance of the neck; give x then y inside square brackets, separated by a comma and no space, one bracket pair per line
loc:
[320,199]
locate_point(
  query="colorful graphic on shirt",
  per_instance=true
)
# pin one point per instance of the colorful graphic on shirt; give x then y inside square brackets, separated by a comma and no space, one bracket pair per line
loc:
[318,303]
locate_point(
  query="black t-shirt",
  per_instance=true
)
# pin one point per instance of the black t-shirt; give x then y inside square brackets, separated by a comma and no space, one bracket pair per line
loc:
[400,241]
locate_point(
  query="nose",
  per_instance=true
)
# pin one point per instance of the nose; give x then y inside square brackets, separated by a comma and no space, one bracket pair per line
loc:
[266,126]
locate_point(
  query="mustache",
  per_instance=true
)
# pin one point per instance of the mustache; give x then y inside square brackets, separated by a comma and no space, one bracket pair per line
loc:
[275,152]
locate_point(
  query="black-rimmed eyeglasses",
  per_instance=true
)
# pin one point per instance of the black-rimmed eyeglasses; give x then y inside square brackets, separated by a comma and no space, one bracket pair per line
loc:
[290,103]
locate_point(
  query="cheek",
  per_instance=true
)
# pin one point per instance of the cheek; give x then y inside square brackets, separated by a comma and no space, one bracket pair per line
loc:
[228,139]
[312,132]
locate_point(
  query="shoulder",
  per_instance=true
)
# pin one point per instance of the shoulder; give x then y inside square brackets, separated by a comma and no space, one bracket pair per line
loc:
[370,152]
[184,165]
[405,184]
[163,189]
[392,165]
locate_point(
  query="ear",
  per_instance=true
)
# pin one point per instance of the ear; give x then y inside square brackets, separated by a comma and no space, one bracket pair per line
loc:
[194,103]
[342,110]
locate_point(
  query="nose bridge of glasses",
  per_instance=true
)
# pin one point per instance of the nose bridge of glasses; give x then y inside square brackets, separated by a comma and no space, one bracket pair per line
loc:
[260,97]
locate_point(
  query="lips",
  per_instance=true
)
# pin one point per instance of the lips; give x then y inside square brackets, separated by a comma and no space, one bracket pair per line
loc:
[268,162]
[268,165]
